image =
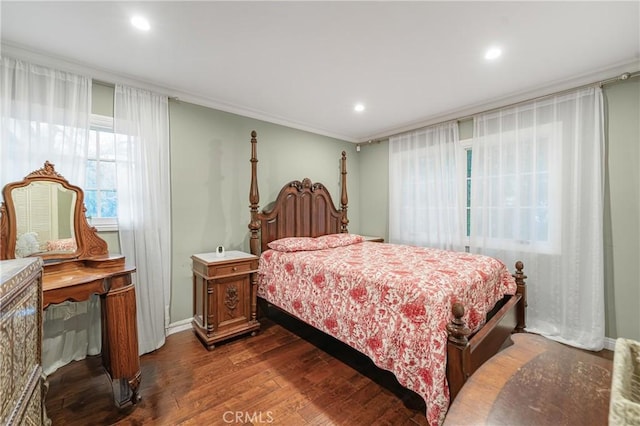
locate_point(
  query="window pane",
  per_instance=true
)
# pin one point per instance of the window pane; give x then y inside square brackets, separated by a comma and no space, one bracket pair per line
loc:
[524,233]
[101,169]
[543,190]
[468,181]
[542,154]
[109,204]
[107,146]
[526,190]
[91,202]
[92,174]
[107,175]
[542,225]
[93,143]
[122,146]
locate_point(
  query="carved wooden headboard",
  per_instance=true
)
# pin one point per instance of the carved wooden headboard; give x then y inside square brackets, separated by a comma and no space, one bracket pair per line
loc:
[302,208]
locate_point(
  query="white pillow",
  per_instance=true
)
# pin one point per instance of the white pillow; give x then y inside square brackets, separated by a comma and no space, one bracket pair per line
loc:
[27,244]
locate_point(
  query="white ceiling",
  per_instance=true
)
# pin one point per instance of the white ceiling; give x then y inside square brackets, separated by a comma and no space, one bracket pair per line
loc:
[305,64]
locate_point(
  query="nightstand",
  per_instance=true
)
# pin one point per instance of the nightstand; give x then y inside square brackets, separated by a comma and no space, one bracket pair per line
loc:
[373,239]
[224,296]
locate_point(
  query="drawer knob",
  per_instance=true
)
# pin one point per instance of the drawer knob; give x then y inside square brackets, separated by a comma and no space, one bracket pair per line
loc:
[235,268]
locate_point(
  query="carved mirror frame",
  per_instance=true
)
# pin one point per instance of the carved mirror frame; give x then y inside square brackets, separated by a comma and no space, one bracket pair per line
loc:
[88,243]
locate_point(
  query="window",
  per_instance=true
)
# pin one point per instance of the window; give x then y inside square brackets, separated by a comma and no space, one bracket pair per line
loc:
[101,197]
[520,204]
[465,144]
[425,201]
[464,172]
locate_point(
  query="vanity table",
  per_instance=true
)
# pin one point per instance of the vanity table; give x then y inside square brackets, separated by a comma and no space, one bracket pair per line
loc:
[110,278]
[77,265]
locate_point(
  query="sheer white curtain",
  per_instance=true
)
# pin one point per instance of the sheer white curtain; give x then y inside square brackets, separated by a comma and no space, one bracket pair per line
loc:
[45,116]
[141,124]
[425,193]
[537,196]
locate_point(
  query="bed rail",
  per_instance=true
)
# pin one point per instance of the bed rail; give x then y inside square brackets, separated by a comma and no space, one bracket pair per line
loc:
[466,354]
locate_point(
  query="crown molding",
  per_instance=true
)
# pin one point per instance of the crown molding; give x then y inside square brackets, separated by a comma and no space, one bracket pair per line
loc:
[109,77]
[592,77]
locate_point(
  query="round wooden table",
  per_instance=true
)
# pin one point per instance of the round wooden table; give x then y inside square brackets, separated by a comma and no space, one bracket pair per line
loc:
[536,381]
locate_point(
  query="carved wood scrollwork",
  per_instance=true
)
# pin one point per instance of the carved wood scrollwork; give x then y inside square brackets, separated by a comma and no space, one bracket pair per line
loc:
[48,170]
[4,232]
[302,208]
[87,242]
[231,299]
[306,184]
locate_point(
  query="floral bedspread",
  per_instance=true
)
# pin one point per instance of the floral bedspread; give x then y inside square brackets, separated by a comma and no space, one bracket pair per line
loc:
[390,302]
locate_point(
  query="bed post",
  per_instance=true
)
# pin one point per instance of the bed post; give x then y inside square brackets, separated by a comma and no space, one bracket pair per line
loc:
[458,351]
[522,291]
[465,356]
[254,198]
[344,199]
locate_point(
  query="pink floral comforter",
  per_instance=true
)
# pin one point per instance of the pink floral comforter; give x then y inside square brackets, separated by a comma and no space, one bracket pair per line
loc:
[390,302]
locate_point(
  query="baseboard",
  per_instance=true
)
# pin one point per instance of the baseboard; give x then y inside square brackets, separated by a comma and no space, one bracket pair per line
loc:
[609,343]
[178,326]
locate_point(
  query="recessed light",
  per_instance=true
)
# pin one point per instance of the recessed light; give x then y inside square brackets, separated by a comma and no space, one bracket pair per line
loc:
[493,53]
[359,107]
[140,23]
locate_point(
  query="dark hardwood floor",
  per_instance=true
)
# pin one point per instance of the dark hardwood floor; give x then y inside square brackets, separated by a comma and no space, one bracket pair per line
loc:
[276,377]
[536,382]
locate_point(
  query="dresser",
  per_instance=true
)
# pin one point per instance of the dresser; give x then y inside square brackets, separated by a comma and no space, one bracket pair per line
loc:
[21,381]
[224,295]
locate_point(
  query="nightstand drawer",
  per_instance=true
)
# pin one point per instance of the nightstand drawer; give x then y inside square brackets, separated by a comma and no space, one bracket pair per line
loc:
[235,268]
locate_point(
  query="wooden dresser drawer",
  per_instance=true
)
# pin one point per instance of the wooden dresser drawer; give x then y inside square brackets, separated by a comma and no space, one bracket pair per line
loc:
[19,331]
[21,342]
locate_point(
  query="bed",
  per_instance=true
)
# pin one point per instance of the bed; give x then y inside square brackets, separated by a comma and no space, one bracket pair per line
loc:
[431,317]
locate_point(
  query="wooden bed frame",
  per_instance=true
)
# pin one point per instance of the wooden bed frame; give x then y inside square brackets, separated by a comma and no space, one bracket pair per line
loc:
[305,209]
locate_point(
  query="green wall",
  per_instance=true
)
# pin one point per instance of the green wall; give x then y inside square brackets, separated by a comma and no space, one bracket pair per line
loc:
[622,204]
[622,211]
[210,177]
[102,99]
[210,173]
[374,192]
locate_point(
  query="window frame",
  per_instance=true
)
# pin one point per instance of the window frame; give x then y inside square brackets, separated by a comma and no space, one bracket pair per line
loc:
[102,123]
[465,182]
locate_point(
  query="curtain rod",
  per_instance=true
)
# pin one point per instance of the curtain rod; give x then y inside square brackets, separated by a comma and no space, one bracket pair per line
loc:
[113,86]
[621,77]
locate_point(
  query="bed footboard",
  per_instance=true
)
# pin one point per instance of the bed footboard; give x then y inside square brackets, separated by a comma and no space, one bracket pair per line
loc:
[465,355]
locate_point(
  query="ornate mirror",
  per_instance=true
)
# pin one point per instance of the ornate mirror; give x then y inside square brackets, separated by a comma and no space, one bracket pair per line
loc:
[44,215]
